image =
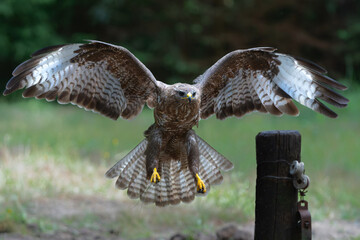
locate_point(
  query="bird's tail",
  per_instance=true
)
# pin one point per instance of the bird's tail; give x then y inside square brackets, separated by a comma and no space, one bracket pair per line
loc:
[177,183]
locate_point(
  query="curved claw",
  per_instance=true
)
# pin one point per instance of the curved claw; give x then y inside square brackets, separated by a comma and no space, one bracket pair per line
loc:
[200,185]
[155,176]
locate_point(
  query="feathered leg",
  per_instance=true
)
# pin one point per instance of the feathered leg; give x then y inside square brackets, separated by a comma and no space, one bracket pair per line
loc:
[194,159]
[152,153]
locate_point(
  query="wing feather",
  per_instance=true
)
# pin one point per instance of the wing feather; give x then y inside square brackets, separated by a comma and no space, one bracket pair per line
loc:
[97,76]
[259,79]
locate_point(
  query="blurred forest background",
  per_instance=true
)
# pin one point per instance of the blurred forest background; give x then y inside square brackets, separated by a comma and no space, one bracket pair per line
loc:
[178,40]
[53,158]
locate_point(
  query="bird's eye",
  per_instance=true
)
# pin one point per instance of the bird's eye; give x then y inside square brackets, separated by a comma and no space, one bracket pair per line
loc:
[181,93]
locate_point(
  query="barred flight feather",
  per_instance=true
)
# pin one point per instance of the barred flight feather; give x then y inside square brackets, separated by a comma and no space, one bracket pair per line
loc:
[96,76]
[273,78]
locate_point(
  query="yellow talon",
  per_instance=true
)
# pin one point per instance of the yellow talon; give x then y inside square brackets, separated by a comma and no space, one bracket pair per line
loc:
[155,176]
[200,185]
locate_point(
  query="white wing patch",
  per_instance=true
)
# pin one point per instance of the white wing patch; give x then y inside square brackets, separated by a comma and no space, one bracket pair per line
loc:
[299,83]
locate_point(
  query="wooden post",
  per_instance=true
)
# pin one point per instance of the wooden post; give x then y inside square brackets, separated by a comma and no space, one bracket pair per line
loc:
[276,197]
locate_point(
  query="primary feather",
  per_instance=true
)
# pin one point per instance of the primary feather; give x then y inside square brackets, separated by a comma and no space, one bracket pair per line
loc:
[97,76]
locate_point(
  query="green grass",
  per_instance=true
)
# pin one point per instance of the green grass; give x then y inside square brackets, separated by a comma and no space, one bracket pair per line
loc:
[49,151]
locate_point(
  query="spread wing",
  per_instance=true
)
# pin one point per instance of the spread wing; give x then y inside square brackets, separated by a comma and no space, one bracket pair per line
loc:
[261,80]
[97,76]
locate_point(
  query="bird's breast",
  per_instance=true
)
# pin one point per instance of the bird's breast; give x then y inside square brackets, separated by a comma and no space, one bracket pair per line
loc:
[174,117]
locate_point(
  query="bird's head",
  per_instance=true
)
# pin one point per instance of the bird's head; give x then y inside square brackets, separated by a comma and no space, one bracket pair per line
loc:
[185,92]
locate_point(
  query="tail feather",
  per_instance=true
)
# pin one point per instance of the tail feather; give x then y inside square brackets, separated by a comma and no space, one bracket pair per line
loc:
[125,168]
[188,186]
[160,193]
[173,187]
[163,188]
[149,195]
[206,179]
[210,153]
[183,184]
[138,183]
[177,183]
[129,173]
[128,160]
[209,172]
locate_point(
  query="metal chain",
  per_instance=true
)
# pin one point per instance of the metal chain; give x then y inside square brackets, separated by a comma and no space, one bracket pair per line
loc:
[301,182]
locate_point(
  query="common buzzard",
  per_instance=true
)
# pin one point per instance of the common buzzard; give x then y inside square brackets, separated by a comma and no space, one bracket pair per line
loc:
[173,164]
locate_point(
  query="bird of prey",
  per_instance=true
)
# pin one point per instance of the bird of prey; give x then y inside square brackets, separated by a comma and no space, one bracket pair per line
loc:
[172,164]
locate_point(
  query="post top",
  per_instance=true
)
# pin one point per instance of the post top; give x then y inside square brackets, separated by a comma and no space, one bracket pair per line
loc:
[277,133]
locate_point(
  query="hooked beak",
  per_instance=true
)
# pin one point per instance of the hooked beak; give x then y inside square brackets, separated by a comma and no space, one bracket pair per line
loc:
[189,96]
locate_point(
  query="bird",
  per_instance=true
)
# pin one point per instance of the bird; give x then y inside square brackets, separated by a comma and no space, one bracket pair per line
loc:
[172,164]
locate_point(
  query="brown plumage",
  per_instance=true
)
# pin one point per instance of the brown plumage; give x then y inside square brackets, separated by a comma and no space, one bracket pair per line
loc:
[173,164]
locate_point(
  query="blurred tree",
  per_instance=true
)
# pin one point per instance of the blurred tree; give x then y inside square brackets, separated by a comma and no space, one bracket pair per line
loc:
[349,35]
[178,40]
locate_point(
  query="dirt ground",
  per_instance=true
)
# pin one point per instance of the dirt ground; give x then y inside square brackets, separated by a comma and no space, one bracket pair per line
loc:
[108,210]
